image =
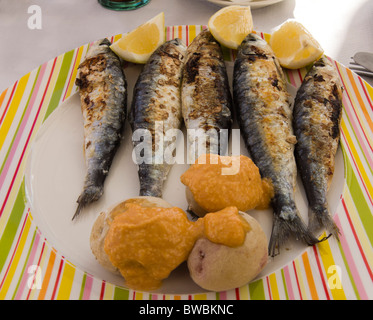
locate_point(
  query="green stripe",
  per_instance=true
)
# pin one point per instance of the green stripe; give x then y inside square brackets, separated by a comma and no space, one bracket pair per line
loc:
[20,122]
[226,53]
[24,265]
[82,286]
[121,293]
[360,202]
[284,283]
[60,83]
[12,225]
[348,270]
[256,290]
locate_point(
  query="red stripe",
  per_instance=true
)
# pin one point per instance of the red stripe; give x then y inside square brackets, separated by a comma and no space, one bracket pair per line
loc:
[300,76]
[58,278]
[15,250]
[321,273]
[103,285]
[296,278]
[357,240]
[8,103]
[237,291]
[365,92]
[187,35]
[27,141]
[269,289]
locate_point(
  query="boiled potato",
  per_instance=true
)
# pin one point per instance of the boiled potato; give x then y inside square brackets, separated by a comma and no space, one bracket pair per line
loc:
[193,205]
[217,267]
[102,224]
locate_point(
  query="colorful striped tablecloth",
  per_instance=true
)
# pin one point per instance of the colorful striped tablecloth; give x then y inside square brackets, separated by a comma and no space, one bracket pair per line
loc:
[31,268]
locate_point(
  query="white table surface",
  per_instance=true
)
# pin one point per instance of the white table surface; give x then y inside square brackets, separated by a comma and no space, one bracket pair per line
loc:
[342,27]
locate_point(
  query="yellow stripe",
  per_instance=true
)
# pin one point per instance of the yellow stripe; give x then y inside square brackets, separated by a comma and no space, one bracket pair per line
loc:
[73,76]
[333,279]
[139,296]
[200,297]
[274,287]
[9,117]
[298,270]
[192,33]
[244,293]
[369,90]
[66,282]
[267,37]
[15,263]
[117,37]
[109,291]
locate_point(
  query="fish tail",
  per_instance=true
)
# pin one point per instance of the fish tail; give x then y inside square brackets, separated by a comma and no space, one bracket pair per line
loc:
[88,196]
[319,218]
[281,230]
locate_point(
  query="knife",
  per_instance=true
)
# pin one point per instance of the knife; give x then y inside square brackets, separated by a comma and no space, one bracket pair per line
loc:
[365,59]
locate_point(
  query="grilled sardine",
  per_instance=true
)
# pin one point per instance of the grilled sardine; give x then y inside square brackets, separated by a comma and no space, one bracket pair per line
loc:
[317,115]
[265,118]
[206,98]
[103,95]
[156,108]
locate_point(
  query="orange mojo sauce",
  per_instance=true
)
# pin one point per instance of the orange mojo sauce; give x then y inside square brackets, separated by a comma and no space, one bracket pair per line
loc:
[214,189]
[147,243]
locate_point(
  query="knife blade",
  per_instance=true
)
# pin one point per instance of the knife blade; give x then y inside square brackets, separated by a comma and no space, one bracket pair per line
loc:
[365,59]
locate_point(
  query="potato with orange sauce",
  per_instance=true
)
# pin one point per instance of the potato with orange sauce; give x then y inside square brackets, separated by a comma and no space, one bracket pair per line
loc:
[145,239]
[218,267]
[101,227]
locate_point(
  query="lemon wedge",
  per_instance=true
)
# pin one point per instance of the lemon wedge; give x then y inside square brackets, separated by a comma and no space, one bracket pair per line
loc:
[137,45]
[231,25]
[294,46]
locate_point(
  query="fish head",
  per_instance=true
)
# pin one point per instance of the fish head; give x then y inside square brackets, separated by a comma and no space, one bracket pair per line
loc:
[253,44]
[98,47]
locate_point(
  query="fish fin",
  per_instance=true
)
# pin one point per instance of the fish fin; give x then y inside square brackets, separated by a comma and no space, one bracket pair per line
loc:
[283,228]
[88,196]
[319,218]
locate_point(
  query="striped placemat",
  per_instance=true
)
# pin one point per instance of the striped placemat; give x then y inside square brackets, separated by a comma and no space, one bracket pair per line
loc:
[30,268]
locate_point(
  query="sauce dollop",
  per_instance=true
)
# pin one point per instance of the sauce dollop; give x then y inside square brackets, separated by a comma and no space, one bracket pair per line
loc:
[214,189]
[146,243]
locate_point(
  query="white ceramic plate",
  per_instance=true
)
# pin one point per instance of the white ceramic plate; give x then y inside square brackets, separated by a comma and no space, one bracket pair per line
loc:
[54,179]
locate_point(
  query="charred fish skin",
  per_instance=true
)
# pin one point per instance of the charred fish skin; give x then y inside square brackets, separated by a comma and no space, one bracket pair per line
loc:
[156,99]
[316,121]
[206,96]
[103,95]
[265,118]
